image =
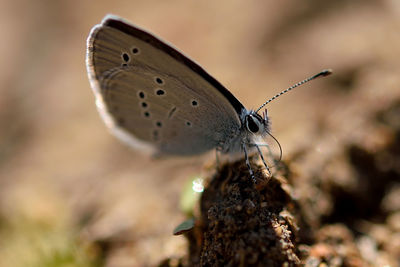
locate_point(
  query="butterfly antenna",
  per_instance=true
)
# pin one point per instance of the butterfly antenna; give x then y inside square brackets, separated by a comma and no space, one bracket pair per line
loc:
[321,74]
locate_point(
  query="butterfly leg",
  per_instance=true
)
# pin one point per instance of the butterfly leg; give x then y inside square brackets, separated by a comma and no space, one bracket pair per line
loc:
[276,161]
[248,163]
[262,158]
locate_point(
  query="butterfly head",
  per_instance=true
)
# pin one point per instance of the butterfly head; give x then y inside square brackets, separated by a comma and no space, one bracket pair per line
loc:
[256,124]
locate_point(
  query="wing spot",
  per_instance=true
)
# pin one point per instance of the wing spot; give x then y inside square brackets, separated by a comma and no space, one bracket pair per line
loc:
[195,103]
[124,65]
[141,95]
[160,92]
[188,123]
[146,114]
[144,104]
[135,50]
[159,124]
[125,57]
[171,112]
[159,80]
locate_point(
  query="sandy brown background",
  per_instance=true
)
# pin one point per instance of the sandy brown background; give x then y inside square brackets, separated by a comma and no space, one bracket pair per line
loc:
[66,184]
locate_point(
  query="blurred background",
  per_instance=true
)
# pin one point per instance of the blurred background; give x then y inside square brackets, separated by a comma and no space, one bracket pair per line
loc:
[69,189]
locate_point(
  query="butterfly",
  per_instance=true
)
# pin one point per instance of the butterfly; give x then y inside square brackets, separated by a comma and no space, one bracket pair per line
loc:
[153,96]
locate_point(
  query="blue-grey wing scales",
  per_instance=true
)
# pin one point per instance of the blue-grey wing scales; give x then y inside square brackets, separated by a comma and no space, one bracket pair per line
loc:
[150,94]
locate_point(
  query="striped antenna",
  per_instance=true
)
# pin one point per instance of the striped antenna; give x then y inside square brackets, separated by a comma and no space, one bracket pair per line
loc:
[321,74]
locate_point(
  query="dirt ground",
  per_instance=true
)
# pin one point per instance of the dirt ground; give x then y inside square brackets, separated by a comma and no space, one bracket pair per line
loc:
[73,195]
[345,212]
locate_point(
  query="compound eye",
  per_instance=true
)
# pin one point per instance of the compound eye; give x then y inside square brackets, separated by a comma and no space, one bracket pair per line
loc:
[252,125]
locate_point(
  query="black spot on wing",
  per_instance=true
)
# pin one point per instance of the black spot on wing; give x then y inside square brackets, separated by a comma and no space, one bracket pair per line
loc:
[135,50]
[160,92]
[125,57]
[159,80]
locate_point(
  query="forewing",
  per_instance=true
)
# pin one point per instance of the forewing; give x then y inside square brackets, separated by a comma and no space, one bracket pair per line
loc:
[150,94]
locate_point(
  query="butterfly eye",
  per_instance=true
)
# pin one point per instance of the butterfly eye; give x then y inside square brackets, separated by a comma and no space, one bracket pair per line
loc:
[252,124]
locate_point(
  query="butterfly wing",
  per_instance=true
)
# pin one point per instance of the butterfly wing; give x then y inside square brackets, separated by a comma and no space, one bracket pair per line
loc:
[151,95]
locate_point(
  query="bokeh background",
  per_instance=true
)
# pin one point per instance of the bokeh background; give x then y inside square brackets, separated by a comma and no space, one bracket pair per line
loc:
[73,195]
